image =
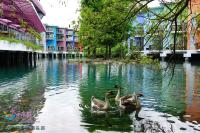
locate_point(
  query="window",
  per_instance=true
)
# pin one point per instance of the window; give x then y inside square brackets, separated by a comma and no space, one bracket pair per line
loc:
[3,28]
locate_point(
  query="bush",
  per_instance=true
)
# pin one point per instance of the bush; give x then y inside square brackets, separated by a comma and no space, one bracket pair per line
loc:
[119,51]
[100,52]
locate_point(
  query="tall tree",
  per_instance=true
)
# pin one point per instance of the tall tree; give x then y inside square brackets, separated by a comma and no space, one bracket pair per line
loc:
[102,24]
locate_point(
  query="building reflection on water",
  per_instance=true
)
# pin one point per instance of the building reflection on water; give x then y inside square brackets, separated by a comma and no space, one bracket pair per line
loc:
[192,87]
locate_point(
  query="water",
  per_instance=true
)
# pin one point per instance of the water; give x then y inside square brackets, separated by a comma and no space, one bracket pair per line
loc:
[47,99]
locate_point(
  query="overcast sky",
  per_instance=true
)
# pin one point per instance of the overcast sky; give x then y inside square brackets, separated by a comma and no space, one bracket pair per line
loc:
[62,15]
[58,14]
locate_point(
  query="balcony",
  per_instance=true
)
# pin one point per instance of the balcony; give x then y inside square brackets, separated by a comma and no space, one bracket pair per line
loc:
[3,29]
[69,39]
[181,28]
[60,31]
[49,37]
[48,29]
[60,39]
[70,33]
[76,39]
[76,34]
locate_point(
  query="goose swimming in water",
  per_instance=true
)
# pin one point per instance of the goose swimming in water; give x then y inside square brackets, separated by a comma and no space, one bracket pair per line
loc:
[99,105]
[130,100]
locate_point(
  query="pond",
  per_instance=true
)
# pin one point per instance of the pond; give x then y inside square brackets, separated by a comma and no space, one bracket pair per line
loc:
[55,97]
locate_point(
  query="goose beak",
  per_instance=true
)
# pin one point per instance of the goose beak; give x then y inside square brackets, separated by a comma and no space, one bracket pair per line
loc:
[140,95]
[110,93]
[117,87]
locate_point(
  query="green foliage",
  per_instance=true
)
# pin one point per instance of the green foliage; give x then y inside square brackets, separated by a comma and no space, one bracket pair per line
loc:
[26,43]
[147,60]
[24,24]
[34,33]
[198,20]
[136,56]
[100,52]
[102,22]
[119,50]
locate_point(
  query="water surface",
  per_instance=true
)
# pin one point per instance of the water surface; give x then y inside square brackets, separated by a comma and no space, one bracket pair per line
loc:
[47,98]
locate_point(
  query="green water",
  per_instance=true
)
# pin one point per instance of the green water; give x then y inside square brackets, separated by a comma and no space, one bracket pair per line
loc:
[47,98]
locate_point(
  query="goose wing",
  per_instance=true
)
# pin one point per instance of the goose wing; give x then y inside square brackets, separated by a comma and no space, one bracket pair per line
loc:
[124,98]
[98,102]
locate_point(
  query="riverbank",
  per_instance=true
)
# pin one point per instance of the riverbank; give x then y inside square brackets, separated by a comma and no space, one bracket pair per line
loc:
[145,60]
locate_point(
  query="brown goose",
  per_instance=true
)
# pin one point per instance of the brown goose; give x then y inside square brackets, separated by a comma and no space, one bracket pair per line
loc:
[100,105]
[127,100]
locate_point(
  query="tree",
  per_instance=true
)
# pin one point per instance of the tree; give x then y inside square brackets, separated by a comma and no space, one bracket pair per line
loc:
[101,23]
[97,16]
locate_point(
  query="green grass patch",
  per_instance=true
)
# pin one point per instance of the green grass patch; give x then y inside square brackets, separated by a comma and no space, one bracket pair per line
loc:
[26,43]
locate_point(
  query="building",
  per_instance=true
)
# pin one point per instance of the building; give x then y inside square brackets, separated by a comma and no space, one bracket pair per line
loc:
[61,39]
[21,20]
[149,34]
[193,33]
[51,38]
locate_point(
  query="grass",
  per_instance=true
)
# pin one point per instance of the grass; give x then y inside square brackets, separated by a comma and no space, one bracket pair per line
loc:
[26,43]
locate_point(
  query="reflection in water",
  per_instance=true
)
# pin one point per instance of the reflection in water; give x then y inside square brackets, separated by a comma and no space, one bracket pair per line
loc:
[192,94]
[22,96]
[51,94]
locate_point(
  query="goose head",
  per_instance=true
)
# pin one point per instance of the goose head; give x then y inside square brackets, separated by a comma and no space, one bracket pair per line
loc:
[117,87]
[109,93]
[139,95]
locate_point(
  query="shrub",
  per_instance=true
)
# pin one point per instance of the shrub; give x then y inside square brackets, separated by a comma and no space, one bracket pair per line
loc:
[119,50]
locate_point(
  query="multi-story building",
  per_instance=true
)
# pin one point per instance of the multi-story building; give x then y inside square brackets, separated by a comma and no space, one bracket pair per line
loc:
[152,35]
[51,38]
[21,20]
[61,39]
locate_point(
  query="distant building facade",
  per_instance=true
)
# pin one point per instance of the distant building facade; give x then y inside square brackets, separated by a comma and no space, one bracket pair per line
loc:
[61,39]
[162,36]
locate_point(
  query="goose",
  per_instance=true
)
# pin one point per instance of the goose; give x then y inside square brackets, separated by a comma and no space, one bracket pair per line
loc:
[130,100]
[99,105]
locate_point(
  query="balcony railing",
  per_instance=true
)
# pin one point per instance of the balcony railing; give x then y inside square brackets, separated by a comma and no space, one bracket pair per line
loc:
[3,28]
[49,37]
[10,32]
[70,32]
[60,39]
[181,28]
[76,39]
[60,31]
[49,29]
[69,39]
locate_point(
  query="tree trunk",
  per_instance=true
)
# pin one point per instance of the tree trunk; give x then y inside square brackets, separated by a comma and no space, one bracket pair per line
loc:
[88,51]
[120,52]
[94,53]
[109,56]
[106,52]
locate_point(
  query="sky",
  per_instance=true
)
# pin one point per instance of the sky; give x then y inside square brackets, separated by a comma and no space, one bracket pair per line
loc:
[58,14]
[62,15]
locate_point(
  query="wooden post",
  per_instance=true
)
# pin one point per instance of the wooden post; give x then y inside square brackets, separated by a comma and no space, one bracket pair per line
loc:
[34,59]
[30,59]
